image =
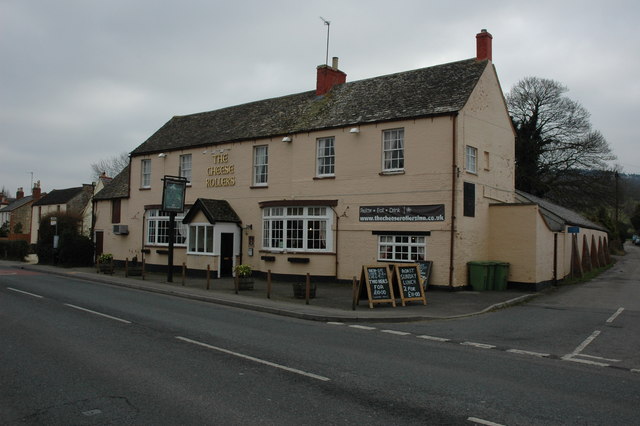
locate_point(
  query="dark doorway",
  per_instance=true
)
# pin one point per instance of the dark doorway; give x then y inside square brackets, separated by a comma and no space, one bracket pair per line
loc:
[99,243]
[226,254]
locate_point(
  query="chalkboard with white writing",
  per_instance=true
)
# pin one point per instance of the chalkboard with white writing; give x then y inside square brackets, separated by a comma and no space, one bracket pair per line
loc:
[375,281]
[425,272]
[409,282]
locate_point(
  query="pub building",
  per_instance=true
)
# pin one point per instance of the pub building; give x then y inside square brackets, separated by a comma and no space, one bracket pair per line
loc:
[406,167]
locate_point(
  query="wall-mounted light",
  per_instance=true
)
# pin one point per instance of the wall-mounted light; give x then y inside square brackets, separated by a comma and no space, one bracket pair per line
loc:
[249,226]
[287,139]
[354,130]
[162,155]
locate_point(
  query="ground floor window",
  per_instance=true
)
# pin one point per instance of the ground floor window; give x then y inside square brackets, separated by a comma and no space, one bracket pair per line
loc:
[201,239]
[401,248]
[157,229]
[297,228]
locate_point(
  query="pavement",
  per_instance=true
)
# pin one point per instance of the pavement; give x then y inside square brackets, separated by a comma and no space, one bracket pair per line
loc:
[333,301]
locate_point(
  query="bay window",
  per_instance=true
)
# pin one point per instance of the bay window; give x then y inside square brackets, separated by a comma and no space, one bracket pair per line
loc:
[297,228]
[157,229]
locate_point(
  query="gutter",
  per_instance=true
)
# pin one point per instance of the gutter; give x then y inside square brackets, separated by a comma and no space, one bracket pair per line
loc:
[454,178]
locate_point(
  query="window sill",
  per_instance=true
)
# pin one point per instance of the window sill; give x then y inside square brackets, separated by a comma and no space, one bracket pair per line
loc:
[391,173]
[259,186]
[323,177]
[145,188]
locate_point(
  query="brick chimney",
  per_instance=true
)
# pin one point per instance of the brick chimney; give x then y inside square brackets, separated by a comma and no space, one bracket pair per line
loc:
[329,76]
[19,193]
[483,45]
[36,192]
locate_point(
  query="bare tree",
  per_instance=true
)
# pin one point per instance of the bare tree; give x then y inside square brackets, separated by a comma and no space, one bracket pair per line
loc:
[111,166]
[558,154]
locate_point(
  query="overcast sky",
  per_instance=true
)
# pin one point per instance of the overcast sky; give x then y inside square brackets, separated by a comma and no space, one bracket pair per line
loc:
[82,81]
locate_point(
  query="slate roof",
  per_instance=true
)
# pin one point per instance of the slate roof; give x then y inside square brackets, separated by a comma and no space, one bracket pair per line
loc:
[59,196]
[440,89]
[17,204]
[557,216]
[117,188]
[214,211]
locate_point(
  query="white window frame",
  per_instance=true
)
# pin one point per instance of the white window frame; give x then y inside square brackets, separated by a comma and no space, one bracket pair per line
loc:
[200,239]
[145,173]
[297,228]
[393,150]
[156,227]
[261,165]
[402,248]
[471,159]
[325,157]
[185,167]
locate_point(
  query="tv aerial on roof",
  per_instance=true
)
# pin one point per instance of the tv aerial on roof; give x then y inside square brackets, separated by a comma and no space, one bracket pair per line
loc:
[328,24]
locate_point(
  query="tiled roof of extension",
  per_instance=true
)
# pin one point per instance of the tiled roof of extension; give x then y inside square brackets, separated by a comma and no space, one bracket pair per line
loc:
[117,188]
[436,90]
[557,216]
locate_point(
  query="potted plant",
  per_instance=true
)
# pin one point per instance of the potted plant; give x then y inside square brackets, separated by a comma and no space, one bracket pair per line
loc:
[243,275]
[134,267]
[105,263]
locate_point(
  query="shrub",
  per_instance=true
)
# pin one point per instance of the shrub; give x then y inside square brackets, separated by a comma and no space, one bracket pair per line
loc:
[14,250]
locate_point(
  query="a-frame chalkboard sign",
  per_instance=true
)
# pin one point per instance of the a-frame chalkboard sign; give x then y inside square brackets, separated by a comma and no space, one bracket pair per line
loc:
[407,277]
[376,279]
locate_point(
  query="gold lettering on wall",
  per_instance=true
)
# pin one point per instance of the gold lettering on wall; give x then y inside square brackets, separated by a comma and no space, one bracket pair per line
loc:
[221,168]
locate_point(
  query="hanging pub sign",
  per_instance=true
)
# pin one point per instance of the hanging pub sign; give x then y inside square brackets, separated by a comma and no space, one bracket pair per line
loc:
[375,285]
[173,194]
[409,283]
[426,213]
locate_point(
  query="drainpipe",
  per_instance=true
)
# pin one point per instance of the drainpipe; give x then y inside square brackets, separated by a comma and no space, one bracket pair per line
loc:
[335,242]
[454,178]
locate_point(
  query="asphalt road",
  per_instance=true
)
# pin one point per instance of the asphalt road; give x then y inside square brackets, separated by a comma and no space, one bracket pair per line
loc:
[75,352]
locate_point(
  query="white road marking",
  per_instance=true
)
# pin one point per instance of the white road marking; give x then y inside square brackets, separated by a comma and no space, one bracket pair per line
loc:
[434,338]
[398,333]
[483,422]
[362,327]
[25,292]
[521,352]
[97,313]
[584,361]
[635,370]
[478,345]
[583,345]
[335,323]
[254,359]
[598,357]
[614,316]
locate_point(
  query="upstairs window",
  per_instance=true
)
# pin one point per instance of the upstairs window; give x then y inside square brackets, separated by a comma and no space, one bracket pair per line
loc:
[471,159]
[393,150]
[185,166]
[260,165]
[145,174]
[115,210]
[326,157]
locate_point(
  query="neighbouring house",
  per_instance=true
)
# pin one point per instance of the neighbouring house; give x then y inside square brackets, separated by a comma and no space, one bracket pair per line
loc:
[69,200]
[114,197]
[88,218]
[17,214]
[406,167]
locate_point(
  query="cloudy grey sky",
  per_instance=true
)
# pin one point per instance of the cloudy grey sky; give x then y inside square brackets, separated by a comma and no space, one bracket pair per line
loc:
[85,80]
